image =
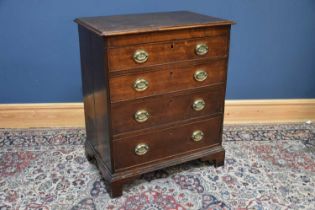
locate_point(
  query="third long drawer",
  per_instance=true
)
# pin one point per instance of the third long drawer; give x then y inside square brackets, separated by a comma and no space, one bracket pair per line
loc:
[170,108]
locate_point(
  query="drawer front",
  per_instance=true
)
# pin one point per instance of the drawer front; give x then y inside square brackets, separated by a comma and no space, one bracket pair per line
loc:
[123,58]
[141,38]
[137,150]
[153,111]
[170,78]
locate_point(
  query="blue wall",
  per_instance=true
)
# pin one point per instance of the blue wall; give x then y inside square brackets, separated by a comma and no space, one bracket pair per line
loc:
[272,46]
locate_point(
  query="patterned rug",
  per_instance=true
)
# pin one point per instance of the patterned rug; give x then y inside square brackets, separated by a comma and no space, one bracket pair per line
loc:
[266,167]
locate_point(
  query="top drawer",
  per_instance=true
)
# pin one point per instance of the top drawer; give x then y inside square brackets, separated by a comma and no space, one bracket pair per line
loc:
[143,55]
[163,36]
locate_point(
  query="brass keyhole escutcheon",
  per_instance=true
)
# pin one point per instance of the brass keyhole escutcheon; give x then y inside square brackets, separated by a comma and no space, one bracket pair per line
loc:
[141,149]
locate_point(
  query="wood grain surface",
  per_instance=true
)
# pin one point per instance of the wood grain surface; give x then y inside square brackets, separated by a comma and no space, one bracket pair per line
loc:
[148,22]
[168,142]
[167,79]
[166,52]
[165,109]
[162,36]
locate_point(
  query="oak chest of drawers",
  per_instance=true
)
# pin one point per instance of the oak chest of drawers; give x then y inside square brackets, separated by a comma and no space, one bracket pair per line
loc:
[154,87]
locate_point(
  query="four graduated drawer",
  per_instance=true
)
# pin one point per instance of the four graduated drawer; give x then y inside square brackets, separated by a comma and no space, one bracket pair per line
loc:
[166,84]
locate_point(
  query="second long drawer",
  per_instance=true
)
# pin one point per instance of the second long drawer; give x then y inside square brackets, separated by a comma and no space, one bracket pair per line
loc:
[154,111]
[169,78]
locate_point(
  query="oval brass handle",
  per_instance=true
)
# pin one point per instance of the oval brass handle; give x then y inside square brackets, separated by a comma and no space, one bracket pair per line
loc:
[142,116]
[201,49]
[199,104]
[200,75]
[140,56]
[140,85]
[197,135]
[141,149]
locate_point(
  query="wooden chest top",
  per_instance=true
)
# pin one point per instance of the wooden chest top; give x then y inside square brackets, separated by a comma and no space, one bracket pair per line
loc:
[148,22]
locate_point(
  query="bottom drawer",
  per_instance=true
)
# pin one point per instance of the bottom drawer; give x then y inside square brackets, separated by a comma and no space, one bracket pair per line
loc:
[141,149]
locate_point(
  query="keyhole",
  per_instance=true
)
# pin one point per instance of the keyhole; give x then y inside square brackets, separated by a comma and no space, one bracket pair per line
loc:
[172,45]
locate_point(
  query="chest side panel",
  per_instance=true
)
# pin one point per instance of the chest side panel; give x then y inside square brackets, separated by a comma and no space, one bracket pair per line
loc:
[96,94]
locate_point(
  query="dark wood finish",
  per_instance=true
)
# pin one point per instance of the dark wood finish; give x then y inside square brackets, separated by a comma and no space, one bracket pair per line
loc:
[148,22]
[96,94]
[160,36]
[107,45]
[166,52]
[167,79]
[166,109]
[165,143]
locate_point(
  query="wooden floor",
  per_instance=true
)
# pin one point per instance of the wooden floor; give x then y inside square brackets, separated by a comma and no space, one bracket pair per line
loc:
[236,112]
